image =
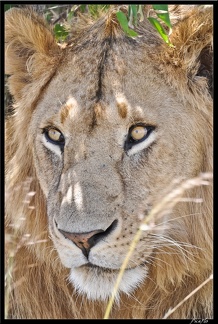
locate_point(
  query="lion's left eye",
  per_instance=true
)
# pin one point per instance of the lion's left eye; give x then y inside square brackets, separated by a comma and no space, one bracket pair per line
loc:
[137,134]
[54,136]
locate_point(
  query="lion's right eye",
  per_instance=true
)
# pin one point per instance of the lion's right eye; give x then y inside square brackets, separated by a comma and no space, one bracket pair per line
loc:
[140,136]
[54,136]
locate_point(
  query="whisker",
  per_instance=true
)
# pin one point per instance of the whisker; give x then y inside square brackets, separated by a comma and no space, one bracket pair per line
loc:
[176,218]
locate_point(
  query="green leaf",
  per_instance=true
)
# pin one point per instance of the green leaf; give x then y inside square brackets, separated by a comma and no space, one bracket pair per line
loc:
[124,24]
[132,33]
[48,17]
[134,13]
[159,28]
[83,8]
[70,15]
[122,20]
[162,7]
[7,7]
[164,15]
[60,32]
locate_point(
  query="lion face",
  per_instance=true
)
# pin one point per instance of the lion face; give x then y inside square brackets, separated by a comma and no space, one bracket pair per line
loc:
[109,125]
[104,163]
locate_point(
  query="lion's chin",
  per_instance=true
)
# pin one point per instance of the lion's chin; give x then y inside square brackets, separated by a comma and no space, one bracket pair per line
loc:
[98,283]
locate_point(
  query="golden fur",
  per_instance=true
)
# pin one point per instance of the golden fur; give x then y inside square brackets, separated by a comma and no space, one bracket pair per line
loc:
[169,87]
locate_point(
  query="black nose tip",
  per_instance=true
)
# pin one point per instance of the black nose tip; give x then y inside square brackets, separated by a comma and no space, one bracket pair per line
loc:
[86,240]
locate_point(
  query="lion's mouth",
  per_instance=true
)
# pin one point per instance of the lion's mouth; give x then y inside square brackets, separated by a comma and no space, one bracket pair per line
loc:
[95,267]
[99,268]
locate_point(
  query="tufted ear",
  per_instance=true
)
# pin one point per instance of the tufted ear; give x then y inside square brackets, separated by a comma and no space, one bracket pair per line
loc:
[31,52]
[190,60]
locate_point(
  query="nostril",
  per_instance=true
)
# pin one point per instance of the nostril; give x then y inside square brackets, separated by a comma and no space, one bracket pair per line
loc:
[85,241]
[99,236]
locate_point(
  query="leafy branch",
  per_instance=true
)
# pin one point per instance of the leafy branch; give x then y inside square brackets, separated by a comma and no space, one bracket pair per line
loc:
[129,22]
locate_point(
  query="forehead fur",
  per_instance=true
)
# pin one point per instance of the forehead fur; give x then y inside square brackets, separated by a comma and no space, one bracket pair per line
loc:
[33,57]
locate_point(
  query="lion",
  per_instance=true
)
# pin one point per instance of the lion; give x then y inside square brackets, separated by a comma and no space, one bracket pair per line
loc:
[103,129]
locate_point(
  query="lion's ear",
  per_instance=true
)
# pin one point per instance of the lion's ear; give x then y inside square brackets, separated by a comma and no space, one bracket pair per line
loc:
[192,37]
[30,50]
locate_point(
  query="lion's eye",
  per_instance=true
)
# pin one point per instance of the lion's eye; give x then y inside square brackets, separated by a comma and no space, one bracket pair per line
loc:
[138,134]
[54,136]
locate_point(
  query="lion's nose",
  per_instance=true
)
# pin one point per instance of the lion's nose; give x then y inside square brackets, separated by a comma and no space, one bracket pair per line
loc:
[86,240]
